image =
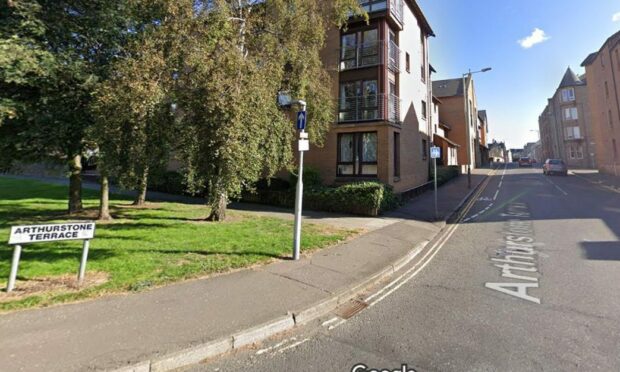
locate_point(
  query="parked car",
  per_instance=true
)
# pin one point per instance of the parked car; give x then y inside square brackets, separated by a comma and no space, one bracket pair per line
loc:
[555,166]
[525,162]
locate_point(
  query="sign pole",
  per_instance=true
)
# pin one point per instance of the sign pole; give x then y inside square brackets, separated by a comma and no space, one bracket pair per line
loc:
[435,173]
[301,124]
[17,251]
[83,261]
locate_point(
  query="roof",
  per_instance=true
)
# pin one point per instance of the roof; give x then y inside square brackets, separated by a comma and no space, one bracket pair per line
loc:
[454,144]
[482,115]
[448,88]
[436,100]
[417,11]
[590,58]
[570,79]
[432,68]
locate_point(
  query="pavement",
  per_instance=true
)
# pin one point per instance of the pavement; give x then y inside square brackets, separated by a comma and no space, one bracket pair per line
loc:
[184,323]
[551,243]
[601,180]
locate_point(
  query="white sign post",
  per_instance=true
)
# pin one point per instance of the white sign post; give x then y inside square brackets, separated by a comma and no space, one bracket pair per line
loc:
[28,234]
[302,147]
[435,154]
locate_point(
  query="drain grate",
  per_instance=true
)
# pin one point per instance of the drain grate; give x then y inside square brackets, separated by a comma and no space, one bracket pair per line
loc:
[351,308]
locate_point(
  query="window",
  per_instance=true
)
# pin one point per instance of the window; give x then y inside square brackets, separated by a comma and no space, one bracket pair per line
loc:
[348,51]
[357,154]
[572,133]
[407,63]
[568,95]
[396,154]
[423,109]
[424,150]
[606,90]
[570,113]
[358,49]
[611,122]
[613,143]
[359,100]
[575,152]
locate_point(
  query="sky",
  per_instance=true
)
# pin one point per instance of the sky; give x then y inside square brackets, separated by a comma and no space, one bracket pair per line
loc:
[527,43]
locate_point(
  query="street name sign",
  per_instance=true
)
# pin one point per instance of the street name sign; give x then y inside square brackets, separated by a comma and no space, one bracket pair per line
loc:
[301,120]
[435,152]
[27,234]
[54,232]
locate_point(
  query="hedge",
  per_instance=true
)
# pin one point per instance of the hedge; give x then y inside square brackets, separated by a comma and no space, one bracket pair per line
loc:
[445,174]
[363,198]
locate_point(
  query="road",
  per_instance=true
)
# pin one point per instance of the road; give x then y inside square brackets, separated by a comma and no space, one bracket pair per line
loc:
[529,279]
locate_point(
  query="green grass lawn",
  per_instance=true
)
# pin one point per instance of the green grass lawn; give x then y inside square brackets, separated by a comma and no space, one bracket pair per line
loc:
[142,247]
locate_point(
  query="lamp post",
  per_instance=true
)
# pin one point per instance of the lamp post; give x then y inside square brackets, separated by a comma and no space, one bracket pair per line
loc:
[466,82]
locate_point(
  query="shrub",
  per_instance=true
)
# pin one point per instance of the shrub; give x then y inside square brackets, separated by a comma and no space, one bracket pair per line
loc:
[363,198]
[312,178]
[445,174]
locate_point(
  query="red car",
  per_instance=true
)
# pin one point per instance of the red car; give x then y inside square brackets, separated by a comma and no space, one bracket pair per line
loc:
[525,162]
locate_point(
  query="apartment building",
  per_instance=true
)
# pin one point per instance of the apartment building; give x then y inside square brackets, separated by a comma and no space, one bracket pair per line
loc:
[603,75]
[565,124]
[452,113]
[381,81]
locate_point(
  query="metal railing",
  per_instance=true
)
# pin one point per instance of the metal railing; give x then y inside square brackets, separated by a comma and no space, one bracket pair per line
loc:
[397,9]
[369,108]
[369,54]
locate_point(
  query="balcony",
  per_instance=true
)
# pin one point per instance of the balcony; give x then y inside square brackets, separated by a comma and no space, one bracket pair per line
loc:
[396,7]
[376,107]
[369,54]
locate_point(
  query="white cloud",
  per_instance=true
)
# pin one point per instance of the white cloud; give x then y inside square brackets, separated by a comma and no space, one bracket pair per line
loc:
[615,17]
[537,37]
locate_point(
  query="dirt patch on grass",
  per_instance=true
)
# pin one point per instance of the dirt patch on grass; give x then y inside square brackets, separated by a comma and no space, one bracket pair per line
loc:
[52,285]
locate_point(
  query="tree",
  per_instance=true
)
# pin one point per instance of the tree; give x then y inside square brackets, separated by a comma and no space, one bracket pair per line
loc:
[237,56]
[134,108]
[83,38]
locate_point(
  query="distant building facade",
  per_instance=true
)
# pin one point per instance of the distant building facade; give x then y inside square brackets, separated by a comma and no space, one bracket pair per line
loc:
[565,124]
[497,152]
[452,112]
[603,75]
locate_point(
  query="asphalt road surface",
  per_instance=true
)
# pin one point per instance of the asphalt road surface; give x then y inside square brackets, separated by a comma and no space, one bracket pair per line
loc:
[528,280]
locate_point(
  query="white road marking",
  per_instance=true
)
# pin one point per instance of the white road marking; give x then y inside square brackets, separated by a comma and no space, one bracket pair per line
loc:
[341,322]
[496,193]
[328,322]
[434,250]
[263,351]
[500,184]
[293,345]
[556,186]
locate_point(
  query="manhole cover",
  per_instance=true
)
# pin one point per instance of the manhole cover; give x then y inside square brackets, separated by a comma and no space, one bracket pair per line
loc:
[351,308]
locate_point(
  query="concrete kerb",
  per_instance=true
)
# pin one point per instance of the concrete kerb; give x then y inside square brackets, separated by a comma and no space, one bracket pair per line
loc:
[262,332]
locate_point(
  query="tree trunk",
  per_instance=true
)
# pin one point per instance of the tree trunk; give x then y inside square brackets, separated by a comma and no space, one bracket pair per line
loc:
[75,184]
[104,201]
[141,197]
[218,207]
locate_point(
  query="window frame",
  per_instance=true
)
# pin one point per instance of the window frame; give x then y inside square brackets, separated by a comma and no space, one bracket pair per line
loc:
[357,153]
[569,96]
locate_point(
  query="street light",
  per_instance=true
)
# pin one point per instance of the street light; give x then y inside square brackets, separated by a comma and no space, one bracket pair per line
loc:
[466,81]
